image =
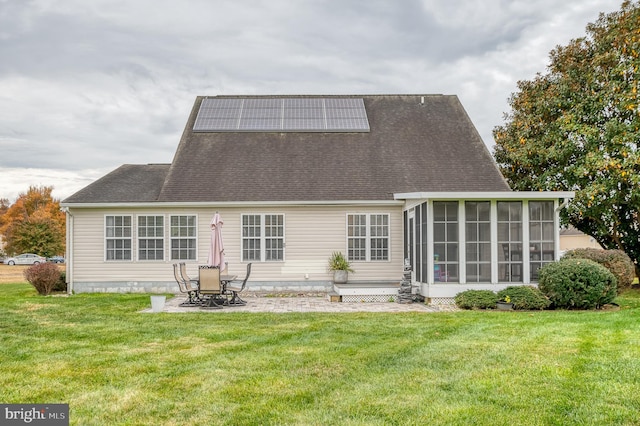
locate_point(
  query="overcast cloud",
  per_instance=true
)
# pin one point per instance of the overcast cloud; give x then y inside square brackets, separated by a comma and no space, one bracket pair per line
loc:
[88,85]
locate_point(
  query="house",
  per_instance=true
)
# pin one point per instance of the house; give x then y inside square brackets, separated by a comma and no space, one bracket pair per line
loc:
[379,177]
[571,238]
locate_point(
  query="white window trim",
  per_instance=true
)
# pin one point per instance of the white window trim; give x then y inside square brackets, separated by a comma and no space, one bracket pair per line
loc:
[263,237]
[368,236]
[170,238]
[163,238]
[130,238]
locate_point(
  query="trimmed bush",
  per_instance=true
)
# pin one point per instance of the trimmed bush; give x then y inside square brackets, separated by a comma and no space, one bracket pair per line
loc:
[43,276]
[577,284]
[616,261]
[476,299]
[61,285]
[525,297]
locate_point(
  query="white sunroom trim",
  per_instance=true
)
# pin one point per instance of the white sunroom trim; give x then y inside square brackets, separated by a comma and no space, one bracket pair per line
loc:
[493,195]
[432,288]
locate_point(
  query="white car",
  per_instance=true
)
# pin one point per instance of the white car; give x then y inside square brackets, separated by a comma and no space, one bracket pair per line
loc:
[25,259]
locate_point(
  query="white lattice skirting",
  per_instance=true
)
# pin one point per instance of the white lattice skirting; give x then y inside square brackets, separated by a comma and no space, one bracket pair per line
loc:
[367,298]
[442,301]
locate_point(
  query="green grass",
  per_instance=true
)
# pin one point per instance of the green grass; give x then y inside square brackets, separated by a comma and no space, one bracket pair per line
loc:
[116,366]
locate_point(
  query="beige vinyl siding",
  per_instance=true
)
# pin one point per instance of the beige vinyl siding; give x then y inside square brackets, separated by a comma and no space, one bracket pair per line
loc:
[89,264]
[312,233]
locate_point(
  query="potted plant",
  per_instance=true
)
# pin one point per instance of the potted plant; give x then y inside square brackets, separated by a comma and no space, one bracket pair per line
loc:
[505,304]
[340,266]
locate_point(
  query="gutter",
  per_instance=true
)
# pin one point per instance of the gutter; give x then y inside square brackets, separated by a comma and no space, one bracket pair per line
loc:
[221,204]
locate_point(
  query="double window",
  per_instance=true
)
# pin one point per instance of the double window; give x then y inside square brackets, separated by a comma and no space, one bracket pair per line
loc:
[368,237]
[117,237]
[262,237]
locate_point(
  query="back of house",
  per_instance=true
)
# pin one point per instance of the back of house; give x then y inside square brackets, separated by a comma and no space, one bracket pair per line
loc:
[381,178]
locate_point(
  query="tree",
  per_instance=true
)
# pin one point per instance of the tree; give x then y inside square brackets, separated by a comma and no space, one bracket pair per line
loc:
[34,223]
[577,128]
[4,206]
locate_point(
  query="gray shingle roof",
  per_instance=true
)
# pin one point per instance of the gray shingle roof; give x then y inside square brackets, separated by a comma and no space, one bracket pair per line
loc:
[411,147]
[127,183]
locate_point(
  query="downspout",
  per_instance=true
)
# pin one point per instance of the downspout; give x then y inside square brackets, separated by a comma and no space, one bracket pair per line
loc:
[564,203]
[69,251]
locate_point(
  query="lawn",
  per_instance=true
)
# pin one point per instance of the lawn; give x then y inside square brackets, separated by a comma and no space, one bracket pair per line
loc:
[116,366]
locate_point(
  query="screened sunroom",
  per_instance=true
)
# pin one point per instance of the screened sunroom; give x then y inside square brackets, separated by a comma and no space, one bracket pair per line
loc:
[459,241]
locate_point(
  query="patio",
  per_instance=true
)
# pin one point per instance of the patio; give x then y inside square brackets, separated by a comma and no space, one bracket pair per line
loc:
[304,303]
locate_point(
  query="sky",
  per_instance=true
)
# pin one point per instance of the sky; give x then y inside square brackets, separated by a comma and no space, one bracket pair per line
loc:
[89,85]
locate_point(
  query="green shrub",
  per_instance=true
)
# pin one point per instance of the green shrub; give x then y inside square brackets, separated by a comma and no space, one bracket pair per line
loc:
[577,284]
[525,297]
[616,261]
[43,276]
[61,285]
[476,299]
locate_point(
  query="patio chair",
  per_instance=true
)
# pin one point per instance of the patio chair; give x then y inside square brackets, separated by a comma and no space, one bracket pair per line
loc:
[211,286]
[193,299]
[192,285]
[236,286]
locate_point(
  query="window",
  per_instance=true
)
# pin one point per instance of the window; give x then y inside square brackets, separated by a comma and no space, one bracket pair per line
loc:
[183,237]
[251,237]
[357,237]
[445,240]
[510,241]
[273,237]
[541,236]
[117,237]
[379,236]
[263,237]
[368,237]
[478,241]
[150,237]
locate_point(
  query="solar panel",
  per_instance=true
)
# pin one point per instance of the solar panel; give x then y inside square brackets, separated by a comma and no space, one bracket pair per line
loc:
[282,115]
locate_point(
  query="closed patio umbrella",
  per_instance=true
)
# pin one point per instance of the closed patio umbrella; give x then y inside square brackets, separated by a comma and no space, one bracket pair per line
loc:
[216,251]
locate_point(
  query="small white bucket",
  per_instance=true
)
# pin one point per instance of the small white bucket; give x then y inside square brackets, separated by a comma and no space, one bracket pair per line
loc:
[157,303]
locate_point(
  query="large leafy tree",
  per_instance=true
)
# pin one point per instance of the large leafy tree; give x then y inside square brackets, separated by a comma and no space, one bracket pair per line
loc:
[4,206]
[577,128]
[34,223]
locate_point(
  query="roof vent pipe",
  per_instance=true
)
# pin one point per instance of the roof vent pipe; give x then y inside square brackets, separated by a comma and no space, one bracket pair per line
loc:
[422,100]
